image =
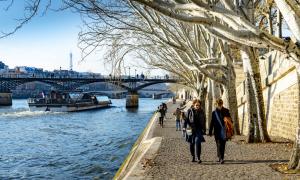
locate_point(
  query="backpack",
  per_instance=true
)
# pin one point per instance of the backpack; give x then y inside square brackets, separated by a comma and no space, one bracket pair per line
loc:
[229,127]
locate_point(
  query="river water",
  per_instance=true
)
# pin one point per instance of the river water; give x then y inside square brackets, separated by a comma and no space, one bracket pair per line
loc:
[78,145]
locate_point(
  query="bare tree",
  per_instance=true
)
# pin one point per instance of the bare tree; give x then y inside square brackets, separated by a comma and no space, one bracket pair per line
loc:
[184,39]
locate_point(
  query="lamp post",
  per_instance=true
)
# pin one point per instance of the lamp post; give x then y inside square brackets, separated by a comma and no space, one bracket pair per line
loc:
[135,73]
[129,72]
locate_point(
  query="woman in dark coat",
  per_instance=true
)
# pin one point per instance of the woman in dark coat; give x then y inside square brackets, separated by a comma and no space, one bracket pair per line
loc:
[217,124]
[196,121]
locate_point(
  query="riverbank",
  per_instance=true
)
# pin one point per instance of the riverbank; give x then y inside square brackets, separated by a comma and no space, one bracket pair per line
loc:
[171,159]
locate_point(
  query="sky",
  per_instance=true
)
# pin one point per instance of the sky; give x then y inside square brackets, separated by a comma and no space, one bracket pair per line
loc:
[47,41]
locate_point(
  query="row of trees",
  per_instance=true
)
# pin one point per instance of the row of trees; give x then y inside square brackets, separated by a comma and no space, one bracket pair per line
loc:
[199,41]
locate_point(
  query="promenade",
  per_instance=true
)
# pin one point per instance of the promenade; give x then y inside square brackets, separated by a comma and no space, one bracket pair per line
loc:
[242,161]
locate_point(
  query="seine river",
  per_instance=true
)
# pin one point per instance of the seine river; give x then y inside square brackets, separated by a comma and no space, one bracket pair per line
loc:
[80,145]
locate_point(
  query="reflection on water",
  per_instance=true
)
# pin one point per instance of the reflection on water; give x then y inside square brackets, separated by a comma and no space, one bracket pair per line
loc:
[132,110]
[81,145]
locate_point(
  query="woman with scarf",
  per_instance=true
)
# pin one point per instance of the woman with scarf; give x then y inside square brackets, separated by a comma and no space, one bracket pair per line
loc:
[196,122]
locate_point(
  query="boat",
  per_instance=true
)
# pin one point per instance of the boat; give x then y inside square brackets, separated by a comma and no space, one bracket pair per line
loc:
[67,102]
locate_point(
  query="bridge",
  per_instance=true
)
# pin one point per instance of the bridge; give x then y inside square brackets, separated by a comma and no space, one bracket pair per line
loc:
[149,93]
[131,84]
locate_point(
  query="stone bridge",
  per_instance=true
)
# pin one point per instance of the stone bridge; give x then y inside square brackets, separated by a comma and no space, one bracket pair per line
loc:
[131,85]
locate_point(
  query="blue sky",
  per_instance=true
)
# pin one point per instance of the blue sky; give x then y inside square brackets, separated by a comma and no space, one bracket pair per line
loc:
[46,41]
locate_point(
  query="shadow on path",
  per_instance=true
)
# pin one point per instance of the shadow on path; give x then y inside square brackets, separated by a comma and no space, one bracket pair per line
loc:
[244,162]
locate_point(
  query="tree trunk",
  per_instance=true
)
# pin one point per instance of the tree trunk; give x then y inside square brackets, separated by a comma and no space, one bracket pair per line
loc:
[252,67]
[202,98]
[198,87]
[279,24]
[209,104]
[203,103]
[258,94]
[231,99]
[250,61]
[203,91]
[216,92]
[198,93]
[270,22]
[253,132]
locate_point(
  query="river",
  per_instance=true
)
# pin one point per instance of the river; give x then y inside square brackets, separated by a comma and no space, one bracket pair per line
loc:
[78,145]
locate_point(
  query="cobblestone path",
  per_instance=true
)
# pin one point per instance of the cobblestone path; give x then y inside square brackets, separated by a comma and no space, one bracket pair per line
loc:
[242,161]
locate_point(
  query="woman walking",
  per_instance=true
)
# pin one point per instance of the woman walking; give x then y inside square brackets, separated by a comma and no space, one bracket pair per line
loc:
[161,115]
[217,124]
[196,121]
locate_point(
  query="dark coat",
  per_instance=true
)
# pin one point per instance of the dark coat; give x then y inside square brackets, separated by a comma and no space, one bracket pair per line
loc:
[196,120]
[215,125]
[162,112]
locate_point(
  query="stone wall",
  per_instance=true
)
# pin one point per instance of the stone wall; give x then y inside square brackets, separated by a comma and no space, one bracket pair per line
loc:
[284,118]
[280,82]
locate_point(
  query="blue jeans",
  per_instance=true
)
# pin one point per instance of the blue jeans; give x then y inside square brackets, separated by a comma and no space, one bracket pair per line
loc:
[197,139]
[178,126]
[196,145]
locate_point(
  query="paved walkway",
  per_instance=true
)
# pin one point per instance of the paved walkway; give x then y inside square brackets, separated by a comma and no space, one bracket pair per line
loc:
[242,161]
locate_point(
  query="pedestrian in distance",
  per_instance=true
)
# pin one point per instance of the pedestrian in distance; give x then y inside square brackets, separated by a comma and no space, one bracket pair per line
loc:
[182,122]
[217,125]
[196,121]
[161,114]
[177,115]
[165,107]
[174,100]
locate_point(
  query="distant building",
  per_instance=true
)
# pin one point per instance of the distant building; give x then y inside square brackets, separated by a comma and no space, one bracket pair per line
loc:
[26,69]
[3,66]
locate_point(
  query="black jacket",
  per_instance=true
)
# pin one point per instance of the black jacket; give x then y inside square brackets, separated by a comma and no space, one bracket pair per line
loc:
[196,120]
[215,125]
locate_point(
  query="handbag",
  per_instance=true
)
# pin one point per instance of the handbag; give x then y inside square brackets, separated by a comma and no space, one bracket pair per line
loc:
[223,131]
[189,132]
[229,127]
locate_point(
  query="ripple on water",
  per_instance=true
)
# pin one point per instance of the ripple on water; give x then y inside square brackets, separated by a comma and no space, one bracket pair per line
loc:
[26,113]
[113,158]
[124,145]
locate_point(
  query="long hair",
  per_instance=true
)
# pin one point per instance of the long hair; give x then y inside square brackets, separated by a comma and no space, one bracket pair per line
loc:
[219,102]
[182,116]
[196,101]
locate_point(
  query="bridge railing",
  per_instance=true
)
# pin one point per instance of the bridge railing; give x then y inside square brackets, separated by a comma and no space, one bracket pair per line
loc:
[80,76]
